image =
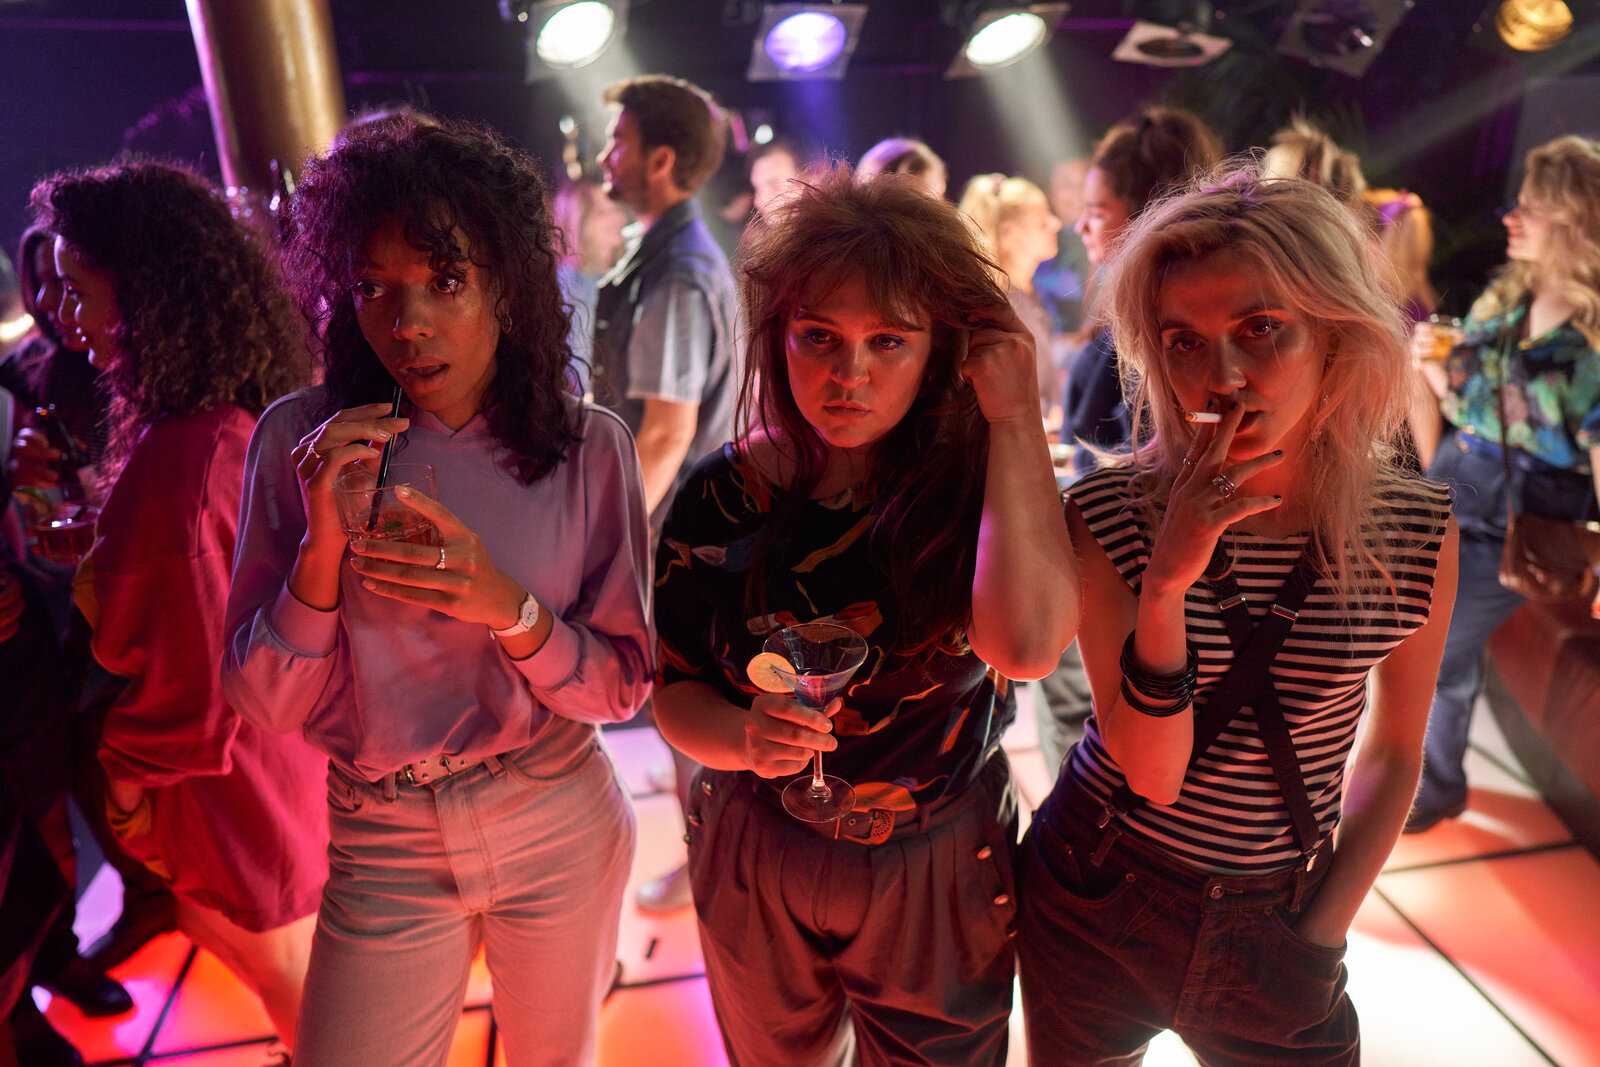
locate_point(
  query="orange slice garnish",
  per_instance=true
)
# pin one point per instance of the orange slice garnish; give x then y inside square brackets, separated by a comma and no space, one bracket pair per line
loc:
[763,671]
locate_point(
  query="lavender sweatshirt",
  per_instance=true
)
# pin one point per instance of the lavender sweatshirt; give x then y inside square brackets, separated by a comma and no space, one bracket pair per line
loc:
[376,683]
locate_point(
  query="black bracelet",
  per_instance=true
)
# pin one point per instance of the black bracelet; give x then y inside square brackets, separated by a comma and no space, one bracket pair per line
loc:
[1159,711]
[1173,692]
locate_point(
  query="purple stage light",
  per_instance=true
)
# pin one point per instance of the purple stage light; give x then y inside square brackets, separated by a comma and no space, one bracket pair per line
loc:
[805,42]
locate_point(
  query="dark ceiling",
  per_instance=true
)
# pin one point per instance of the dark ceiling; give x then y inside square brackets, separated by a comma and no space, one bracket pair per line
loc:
[1434,113]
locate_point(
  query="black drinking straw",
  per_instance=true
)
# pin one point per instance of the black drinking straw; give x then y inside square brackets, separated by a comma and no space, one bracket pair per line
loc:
[383,463]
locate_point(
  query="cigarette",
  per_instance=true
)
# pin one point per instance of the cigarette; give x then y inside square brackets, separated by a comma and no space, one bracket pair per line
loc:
[1201,416]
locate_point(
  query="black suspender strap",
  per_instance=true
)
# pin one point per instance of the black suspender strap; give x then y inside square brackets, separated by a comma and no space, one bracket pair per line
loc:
[1249,681]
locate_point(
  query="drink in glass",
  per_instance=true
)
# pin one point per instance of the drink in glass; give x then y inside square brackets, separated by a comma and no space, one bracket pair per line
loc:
[372,512]
[819,660]
[1436,336]
[67,534]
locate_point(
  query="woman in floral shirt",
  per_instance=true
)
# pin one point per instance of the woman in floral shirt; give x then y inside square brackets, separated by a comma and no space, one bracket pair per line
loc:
[1547,298]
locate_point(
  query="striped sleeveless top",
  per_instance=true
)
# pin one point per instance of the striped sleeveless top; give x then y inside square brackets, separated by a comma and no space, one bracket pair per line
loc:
[1230,816]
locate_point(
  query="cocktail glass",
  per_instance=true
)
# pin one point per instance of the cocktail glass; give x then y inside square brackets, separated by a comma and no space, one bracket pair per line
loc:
[371,512]
[824,656]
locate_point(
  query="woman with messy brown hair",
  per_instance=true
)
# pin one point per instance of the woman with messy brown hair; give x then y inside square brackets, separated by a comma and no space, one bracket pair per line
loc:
[890,475]
[189,325]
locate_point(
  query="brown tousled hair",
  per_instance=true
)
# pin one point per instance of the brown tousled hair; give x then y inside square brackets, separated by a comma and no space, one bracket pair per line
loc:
[921,264]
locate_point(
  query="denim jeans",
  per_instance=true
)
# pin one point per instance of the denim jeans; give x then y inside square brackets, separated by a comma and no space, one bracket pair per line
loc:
[1482,604]
[532,868]
[1114,953]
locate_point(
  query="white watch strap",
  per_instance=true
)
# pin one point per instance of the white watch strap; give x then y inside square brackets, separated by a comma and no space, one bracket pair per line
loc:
[527,619]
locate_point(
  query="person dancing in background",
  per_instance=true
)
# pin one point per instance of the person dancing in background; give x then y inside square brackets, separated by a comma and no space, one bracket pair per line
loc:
[1397,218]
[891,474]
[1535,333]
[906,155]
[666,334]
[1019,232]
[190,327]
[455,685]
[1135,163]
[590,224]
[1203,853]
[49,368]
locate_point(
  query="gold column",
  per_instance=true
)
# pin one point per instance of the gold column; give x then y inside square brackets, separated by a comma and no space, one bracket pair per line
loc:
[272,78]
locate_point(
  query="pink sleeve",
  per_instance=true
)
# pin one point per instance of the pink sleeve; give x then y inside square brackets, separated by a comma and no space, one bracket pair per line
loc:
[161,565]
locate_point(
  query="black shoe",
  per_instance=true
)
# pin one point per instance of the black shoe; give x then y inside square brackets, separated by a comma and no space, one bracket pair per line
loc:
[38,1044]
[1421,819]
[134,928]
[95,993]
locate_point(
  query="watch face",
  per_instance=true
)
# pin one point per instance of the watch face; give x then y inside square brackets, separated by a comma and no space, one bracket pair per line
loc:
[530,611]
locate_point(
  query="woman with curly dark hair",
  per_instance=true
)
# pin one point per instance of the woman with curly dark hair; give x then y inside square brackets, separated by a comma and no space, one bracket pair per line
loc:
[455,684]
[194,335]
[890,476]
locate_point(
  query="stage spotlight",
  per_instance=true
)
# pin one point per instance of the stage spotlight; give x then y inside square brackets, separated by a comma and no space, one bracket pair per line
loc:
[1532,25]
[563,35]
[804,41]
[998,36]
[1170,33]
[1342,35]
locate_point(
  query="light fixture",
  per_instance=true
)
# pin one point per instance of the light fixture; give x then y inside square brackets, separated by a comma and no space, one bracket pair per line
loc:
[1532,25]
[998,36]
[564,35]
[804,41]
[1342,35]
[1170,33]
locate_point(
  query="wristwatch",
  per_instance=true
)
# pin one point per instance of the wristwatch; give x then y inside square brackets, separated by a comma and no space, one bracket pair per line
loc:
[527,616]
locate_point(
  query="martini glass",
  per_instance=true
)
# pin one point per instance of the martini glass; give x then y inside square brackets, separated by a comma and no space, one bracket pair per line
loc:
[824,656]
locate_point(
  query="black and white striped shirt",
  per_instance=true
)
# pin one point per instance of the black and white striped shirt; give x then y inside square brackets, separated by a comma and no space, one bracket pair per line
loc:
[1230,816]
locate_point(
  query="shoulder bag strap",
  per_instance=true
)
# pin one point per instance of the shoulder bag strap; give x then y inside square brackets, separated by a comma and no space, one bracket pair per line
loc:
[1508,352]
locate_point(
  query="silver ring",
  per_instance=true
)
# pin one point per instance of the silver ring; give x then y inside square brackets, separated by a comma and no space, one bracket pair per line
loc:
[1191,464]
[440,565]
[311,452]
[1224,486]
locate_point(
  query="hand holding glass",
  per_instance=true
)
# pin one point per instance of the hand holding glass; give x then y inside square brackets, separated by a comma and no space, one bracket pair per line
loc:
[371,512]
[819,659]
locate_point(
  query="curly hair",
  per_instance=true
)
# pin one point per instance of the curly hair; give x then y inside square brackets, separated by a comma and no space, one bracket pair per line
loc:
[443,181]
[1316,255]
[204,316]
[920,262]
[1563,183]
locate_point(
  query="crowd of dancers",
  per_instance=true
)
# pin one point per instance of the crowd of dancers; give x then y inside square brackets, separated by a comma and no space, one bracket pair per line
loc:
[345,763]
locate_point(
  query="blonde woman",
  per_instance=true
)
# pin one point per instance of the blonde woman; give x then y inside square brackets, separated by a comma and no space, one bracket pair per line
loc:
[1019,232]
[1249,846]
[1546,300]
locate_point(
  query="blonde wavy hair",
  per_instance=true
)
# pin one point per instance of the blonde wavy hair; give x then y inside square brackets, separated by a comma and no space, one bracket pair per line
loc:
[1317,257]
[993,200]
[1563,184]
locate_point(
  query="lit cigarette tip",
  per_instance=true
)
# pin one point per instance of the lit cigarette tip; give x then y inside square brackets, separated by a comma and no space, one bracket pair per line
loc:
[1202,416]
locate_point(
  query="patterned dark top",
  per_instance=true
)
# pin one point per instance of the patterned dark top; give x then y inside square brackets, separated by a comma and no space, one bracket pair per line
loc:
[1552,394]
[908,734]
[1230,815]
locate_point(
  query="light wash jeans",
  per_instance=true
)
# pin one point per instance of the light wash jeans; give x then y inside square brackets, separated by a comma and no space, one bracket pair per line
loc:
[533,868]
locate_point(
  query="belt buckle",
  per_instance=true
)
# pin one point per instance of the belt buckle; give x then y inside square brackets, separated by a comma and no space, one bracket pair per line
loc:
[409,775]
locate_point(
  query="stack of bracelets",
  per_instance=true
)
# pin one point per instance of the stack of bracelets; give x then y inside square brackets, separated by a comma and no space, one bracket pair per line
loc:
[1157,694]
